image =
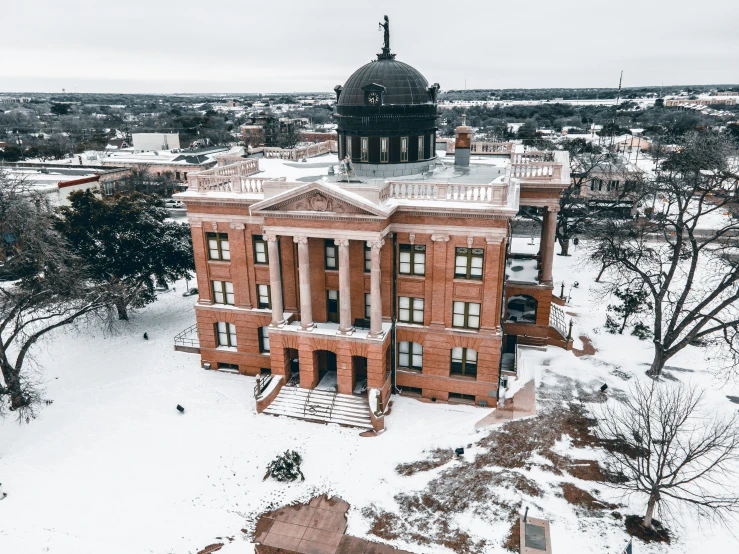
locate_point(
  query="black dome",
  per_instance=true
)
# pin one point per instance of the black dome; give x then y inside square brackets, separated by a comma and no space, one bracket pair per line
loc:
[404,85]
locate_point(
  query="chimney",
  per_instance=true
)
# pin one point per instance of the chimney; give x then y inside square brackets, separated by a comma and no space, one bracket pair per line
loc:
[463,138]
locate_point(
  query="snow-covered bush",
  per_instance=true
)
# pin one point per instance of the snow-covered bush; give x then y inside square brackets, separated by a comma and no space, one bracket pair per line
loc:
[286,467]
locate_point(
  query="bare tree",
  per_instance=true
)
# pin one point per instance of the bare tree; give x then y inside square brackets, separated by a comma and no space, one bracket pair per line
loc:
[686,256]
[665,450]
[576,215]
[43,288]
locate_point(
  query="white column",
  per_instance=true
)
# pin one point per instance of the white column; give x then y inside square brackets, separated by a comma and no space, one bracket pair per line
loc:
[375,295]
[275,280]
[306,312]
[345,297]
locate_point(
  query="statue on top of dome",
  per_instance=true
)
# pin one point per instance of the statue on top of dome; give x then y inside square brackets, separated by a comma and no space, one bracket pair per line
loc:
[386,46]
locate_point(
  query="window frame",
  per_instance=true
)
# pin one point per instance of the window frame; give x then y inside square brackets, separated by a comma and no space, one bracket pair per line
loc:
[367,305]
[367,257]
[413,250]
[263,334]
[412,354]
[412,309]
[466,315]
[259,240]
[364,149]
[222,285]
[349,146]
[421,141]
[403,149]
[229,330]
[329,243]
[384,149]
[337,313]
[221,239]
[469,255]
[465,362]
[261,304]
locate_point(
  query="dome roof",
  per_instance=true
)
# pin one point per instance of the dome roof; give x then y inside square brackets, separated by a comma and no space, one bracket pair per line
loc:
[404,85]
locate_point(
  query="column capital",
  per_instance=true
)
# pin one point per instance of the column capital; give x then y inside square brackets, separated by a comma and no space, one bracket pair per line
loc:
[554,209]
[268,237]
[300,240]
[376,244]
[440,238]
[341,242]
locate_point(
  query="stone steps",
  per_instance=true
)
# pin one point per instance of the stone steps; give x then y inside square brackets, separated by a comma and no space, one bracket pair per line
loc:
[321,406]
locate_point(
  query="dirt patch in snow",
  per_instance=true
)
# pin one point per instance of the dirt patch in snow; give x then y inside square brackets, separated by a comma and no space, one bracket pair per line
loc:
[211,548]
[492,486]
[583,499]
[587,347]
[438,458]
[635,528]
[513,540]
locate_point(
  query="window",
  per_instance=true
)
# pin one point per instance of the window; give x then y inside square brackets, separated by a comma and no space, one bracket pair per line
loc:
[420,147]
[332,306]
[263,339]
[177,175]
[521,308]
[412,259]
[365,149]
[349,146]
[367,257]
[264,297]
[468,398]
[226,334]
[412,391]
[367,305]
[468,263]
[410,310]
[383,149]
[218,246]
[403,149]
[223,292]
[464,361]
[332,255]
[466,315]
[223,365]
[260,250]
[410,354]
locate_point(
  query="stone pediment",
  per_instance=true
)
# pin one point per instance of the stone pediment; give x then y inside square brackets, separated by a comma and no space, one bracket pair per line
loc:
[316,199]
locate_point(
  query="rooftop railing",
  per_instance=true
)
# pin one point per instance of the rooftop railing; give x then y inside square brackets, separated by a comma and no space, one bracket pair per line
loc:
[545,171]
[236,177]
[490,193]
[300,152]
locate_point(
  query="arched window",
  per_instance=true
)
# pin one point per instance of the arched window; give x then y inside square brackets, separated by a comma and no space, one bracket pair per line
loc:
[521,308]
[410,354]
[464,361]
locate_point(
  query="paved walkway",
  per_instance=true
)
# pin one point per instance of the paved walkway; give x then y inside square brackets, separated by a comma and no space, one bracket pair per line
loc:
[315,528]
[523,404]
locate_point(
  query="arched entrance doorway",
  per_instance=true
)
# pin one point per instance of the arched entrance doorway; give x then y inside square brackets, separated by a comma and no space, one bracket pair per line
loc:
[521,309]
[359,374]
[326,362]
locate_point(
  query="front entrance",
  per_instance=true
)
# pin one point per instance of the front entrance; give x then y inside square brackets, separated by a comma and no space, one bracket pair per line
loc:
[359,374]
[327,379]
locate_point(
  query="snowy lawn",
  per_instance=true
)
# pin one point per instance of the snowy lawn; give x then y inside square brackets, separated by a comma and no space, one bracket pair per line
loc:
[111,466]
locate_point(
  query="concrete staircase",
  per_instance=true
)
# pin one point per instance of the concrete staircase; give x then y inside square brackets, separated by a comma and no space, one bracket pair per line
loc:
[321,406]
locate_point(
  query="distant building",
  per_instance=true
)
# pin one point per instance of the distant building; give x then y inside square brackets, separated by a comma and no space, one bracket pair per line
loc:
[117,144]
[710,101]
[150,142]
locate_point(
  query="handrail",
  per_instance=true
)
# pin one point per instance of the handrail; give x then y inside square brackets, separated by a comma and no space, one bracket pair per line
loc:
[182,338]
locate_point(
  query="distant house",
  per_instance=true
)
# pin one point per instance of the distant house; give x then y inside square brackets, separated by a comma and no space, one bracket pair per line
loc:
[630,143]
[117,144]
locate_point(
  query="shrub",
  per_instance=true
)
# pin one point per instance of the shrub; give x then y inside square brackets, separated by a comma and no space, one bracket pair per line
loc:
[286,467]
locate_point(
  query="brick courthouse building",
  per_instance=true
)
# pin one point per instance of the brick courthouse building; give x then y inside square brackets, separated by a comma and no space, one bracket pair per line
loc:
[389,275]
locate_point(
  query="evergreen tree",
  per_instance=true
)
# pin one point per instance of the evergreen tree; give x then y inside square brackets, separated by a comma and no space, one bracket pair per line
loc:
[128,243]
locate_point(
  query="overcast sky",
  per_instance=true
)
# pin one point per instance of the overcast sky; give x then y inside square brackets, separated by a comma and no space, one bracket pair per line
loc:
[296,45]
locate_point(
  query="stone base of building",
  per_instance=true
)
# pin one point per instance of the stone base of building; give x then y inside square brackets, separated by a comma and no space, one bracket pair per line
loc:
[388,170]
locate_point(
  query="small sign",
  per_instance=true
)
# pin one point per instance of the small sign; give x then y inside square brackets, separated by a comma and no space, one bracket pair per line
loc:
[535,537]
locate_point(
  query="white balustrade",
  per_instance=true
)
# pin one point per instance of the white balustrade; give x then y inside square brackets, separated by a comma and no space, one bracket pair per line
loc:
[491,193]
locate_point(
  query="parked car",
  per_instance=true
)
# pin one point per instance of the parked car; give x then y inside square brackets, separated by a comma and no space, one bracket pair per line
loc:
[173,204]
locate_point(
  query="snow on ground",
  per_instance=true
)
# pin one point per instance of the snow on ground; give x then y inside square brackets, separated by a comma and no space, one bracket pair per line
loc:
[111,466]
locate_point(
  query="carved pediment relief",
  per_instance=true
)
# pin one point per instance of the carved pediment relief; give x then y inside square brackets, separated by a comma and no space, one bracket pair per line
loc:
[315,201]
